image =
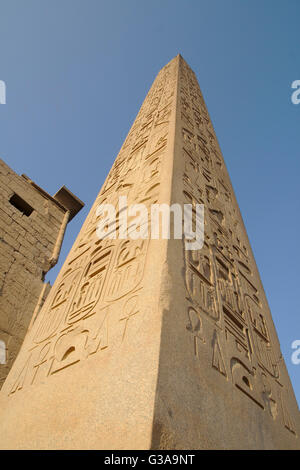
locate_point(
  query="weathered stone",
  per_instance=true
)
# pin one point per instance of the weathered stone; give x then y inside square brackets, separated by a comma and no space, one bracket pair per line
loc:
[22,256]
[141,343]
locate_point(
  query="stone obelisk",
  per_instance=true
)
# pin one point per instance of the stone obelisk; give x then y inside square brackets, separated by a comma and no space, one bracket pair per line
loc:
[141,343]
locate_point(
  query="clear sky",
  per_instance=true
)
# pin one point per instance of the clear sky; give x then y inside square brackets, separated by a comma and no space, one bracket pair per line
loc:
[77,72]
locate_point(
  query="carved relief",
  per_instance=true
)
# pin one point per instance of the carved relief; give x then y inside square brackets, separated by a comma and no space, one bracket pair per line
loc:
[96,303]
[245,380]
[89,291]
[127,272]
[217,356]
[194,326]
[200,283]
[101,274]
[221,287]
[54,317]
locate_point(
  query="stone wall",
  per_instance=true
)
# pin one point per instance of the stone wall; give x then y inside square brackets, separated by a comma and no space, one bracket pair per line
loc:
[31,225]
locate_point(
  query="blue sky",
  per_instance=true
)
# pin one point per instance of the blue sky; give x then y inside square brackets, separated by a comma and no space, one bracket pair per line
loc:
[77,72]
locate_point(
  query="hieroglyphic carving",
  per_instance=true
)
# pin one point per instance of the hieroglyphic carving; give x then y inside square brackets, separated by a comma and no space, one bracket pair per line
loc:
[127,271]
[217,356]
[200,282]
[96,304]
[230,292]
[96,296]
[194,326]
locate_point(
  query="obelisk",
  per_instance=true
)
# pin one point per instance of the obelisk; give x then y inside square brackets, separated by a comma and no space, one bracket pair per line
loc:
[142,343]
